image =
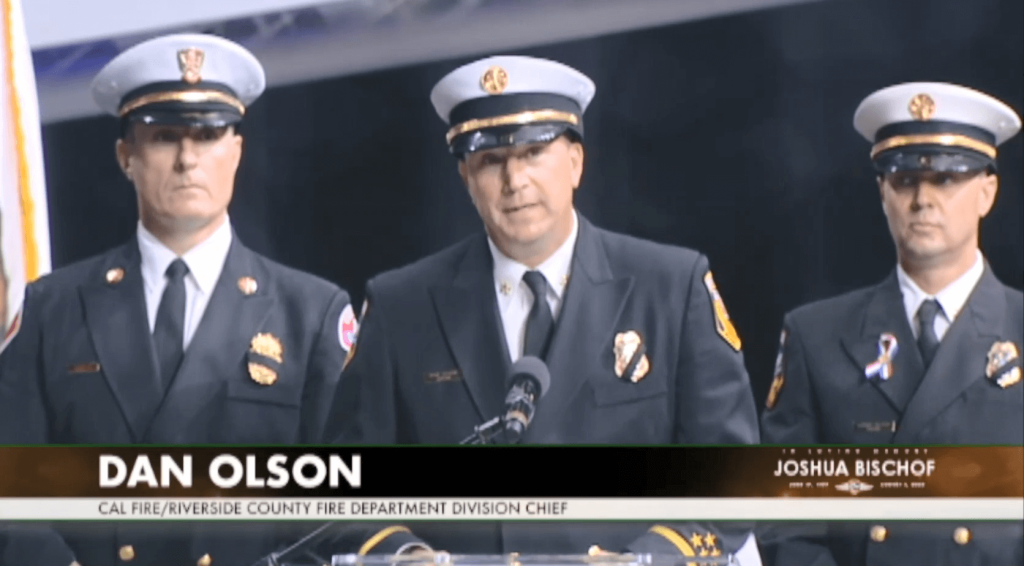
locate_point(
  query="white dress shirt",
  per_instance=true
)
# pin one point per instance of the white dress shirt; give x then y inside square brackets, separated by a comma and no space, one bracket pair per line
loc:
[205,263]
[515,301]
[514,296]
[748,554]
[951,299]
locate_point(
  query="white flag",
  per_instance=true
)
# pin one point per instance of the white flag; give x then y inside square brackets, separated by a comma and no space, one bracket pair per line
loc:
[24,214]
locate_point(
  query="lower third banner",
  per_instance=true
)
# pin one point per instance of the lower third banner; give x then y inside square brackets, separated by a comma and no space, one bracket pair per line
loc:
[508,509]
[513,472]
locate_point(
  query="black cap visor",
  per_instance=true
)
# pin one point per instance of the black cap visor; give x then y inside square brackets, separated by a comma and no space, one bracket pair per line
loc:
[509,136]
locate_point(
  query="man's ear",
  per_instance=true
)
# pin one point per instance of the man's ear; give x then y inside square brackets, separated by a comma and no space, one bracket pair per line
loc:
[123,151]
[881,193]
[238,142]
[576,158]
[464,170]
[987,194]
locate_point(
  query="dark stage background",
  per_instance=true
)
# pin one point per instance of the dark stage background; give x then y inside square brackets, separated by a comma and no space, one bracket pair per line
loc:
[733,136]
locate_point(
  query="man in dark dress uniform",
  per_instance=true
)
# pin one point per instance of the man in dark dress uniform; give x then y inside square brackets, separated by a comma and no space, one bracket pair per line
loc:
[930,355]
[635,334]
[181,335]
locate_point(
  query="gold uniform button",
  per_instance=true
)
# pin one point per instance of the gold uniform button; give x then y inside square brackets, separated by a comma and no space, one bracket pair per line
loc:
[205,560]
[962,535]
[126,553]
[879,533]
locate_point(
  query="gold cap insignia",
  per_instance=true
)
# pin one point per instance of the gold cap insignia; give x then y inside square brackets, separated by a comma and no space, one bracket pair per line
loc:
[247,285]
[267,345]
[999,356]
[190,61]
[723,324]
[627,345]
[262,374]
[921,107]
[115,275]
[494,80]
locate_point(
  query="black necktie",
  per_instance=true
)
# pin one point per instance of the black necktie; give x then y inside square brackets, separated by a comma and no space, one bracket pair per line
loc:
[169,333]
[927,341]
[540,321]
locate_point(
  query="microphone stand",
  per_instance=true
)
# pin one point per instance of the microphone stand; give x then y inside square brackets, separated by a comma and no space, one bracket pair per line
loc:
[273,559]
[486,433]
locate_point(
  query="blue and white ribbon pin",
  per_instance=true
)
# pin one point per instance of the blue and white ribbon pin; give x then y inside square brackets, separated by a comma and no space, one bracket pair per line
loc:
[882,367]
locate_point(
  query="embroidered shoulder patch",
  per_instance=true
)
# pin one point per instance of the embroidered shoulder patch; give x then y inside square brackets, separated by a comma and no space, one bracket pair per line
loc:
[348,328]
[780,371]
[723,324]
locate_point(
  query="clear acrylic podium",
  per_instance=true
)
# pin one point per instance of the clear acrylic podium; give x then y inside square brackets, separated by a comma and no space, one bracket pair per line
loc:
[514,559]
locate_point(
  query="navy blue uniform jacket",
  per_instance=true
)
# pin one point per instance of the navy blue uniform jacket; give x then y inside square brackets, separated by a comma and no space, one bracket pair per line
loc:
[431,363]
[82,370]
[823,397]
